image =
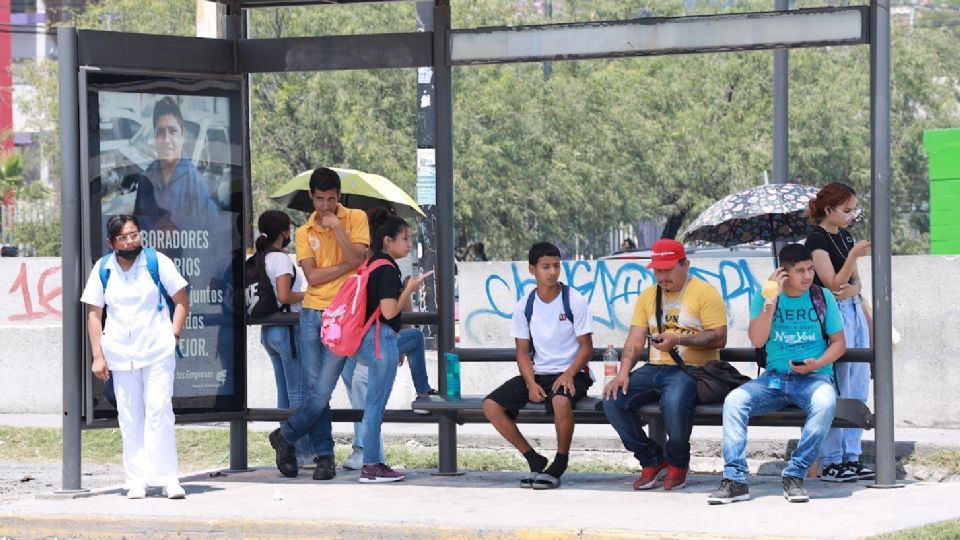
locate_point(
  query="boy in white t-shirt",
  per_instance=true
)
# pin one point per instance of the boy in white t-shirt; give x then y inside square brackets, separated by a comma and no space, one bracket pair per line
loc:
[553,331]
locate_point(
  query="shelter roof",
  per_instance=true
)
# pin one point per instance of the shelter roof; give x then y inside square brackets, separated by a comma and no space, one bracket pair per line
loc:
[288,3]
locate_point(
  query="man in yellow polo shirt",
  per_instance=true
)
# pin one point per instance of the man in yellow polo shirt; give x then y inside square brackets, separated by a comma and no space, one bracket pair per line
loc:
[330,246]
[693,319]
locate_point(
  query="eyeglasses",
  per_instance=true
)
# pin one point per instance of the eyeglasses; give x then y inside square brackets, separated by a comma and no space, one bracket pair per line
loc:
[856,214]
[127,238]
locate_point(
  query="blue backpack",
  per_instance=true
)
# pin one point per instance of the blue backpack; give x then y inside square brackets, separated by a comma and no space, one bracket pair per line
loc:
[528,310]
[154,269]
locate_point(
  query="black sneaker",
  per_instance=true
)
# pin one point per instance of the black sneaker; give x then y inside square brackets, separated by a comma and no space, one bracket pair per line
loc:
[728,492]
[860,471]
[793,489]
[838,472]
[286,454]
[326,468]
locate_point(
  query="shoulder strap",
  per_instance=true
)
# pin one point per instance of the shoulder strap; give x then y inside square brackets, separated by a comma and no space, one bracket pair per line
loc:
[659,313]
[565,297]
[153,267]
[528,313]
[674,353]
[820,306]
[103,271]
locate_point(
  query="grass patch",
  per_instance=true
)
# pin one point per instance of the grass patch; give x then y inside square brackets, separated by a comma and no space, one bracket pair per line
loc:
[945,530]
[943,458]
[209,447]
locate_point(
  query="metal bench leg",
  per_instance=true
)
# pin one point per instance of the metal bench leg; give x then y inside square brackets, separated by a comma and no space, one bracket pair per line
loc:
[238,446]
[656,431]
[447,445]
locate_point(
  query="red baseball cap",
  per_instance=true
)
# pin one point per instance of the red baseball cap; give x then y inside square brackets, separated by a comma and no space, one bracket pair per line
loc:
[665,254]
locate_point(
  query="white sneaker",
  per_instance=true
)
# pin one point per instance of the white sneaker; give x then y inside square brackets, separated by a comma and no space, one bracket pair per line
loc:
[137,493]
[355,461]
[174,491]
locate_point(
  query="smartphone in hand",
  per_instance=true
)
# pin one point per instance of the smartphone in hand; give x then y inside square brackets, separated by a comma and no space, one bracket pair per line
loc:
[654,339]
[425,275]
[798,362]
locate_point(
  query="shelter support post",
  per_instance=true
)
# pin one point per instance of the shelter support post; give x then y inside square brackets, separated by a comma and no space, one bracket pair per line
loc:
[881,254]
[73,379]
[443,88]
[781,119]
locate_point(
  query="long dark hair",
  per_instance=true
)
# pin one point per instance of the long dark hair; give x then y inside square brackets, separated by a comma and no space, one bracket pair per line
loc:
[383,224]
[272,224]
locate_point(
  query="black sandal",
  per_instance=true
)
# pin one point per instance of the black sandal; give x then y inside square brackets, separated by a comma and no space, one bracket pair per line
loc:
[545,481]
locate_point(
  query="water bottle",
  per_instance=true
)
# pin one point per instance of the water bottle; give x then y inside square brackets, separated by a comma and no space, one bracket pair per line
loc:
[611,362]
[453,375]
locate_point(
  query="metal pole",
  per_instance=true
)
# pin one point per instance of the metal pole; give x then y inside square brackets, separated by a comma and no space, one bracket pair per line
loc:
[70,226]
[781,118]
[235,30]
[426,143]
[880,256]
[447,439]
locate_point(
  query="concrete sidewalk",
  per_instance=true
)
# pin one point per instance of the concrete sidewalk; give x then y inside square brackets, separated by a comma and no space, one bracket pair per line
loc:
[261,503]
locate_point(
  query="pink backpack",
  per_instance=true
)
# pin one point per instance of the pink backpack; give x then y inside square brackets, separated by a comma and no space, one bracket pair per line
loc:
[342,325]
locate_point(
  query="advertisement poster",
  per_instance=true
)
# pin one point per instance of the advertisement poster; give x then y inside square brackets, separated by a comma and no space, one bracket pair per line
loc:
[168,151]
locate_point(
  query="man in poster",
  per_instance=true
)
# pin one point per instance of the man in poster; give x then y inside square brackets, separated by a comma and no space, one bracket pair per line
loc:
[177,184]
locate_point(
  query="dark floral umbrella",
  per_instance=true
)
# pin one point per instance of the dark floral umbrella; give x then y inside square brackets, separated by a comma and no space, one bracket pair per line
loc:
[758,215]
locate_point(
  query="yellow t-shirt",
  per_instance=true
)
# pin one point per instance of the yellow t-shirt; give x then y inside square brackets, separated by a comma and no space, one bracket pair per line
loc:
[697,307]
[314,241]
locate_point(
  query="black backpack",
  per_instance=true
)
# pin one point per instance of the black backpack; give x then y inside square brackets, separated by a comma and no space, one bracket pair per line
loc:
[260,297]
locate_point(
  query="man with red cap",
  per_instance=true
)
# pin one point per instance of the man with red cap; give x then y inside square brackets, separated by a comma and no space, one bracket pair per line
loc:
[679,315]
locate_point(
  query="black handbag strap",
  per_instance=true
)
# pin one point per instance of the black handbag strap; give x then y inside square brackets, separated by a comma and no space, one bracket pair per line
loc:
[674,353]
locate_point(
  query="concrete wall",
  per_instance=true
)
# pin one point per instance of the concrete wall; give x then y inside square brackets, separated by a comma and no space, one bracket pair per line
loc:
[926,309]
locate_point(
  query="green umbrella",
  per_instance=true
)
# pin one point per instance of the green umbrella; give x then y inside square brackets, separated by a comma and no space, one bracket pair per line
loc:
[358,189]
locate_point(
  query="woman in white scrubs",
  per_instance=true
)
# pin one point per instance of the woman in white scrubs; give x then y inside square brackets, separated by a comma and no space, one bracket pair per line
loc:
[138,348]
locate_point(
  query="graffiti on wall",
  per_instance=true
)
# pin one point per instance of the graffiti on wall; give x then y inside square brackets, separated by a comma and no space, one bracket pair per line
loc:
[32,291]
[610,287]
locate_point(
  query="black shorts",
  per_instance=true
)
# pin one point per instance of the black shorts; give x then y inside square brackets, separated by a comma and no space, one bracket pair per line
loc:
[513,395]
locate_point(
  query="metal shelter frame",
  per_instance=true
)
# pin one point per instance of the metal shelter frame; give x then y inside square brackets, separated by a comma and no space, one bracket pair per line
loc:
[441,49]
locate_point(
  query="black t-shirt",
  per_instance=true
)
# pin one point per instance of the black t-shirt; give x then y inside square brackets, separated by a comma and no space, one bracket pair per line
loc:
[384,282]
[838,246]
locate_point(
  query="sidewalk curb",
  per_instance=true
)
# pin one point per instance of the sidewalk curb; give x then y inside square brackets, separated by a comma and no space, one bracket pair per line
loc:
[150,527]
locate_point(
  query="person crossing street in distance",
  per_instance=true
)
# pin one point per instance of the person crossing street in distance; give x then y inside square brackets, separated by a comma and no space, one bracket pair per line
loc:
[801,330]
[553,331]
[694,322]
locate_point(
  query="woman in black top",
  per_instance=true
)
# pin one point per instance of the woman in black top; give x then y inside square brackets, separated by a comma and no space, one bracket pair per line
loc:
[835,253]
[389,240]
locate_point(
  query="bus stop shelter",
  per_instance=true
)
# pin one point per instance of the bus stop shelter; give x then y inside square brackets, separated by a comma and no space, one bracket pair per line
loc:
[86,57]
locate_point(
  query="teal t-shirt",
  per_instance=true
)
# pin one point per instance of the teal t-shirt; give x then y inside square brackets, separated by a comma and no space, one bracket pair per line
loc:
[795,333]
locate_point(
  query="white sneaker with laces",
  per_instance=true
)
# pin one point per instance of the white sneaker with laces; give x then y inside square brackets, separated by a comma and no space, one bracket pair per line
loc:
[355,461]
[137,493]
[174,491]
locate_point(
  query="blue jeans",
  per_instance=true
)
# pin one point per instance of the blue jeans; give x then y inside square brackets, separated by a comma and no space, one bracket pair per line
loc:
[853,380]
[321,369]
[381,375]
[813,393]
[412,343]
[288,372]
[677,393]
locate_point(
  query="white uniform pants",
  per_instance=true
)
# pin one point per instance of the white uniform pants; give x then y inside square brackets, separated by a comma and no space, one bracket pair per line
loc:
[145,413]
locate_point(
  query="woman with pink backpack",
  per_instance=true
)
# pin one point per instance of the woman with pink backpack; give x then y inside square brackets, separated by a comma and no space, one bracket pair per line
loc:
[386,294]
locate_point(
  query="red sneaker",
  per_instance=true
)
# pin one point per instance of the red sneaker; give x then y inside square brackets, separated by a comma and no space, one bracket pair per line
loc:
[379,473]
[648,478]
[675,478]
